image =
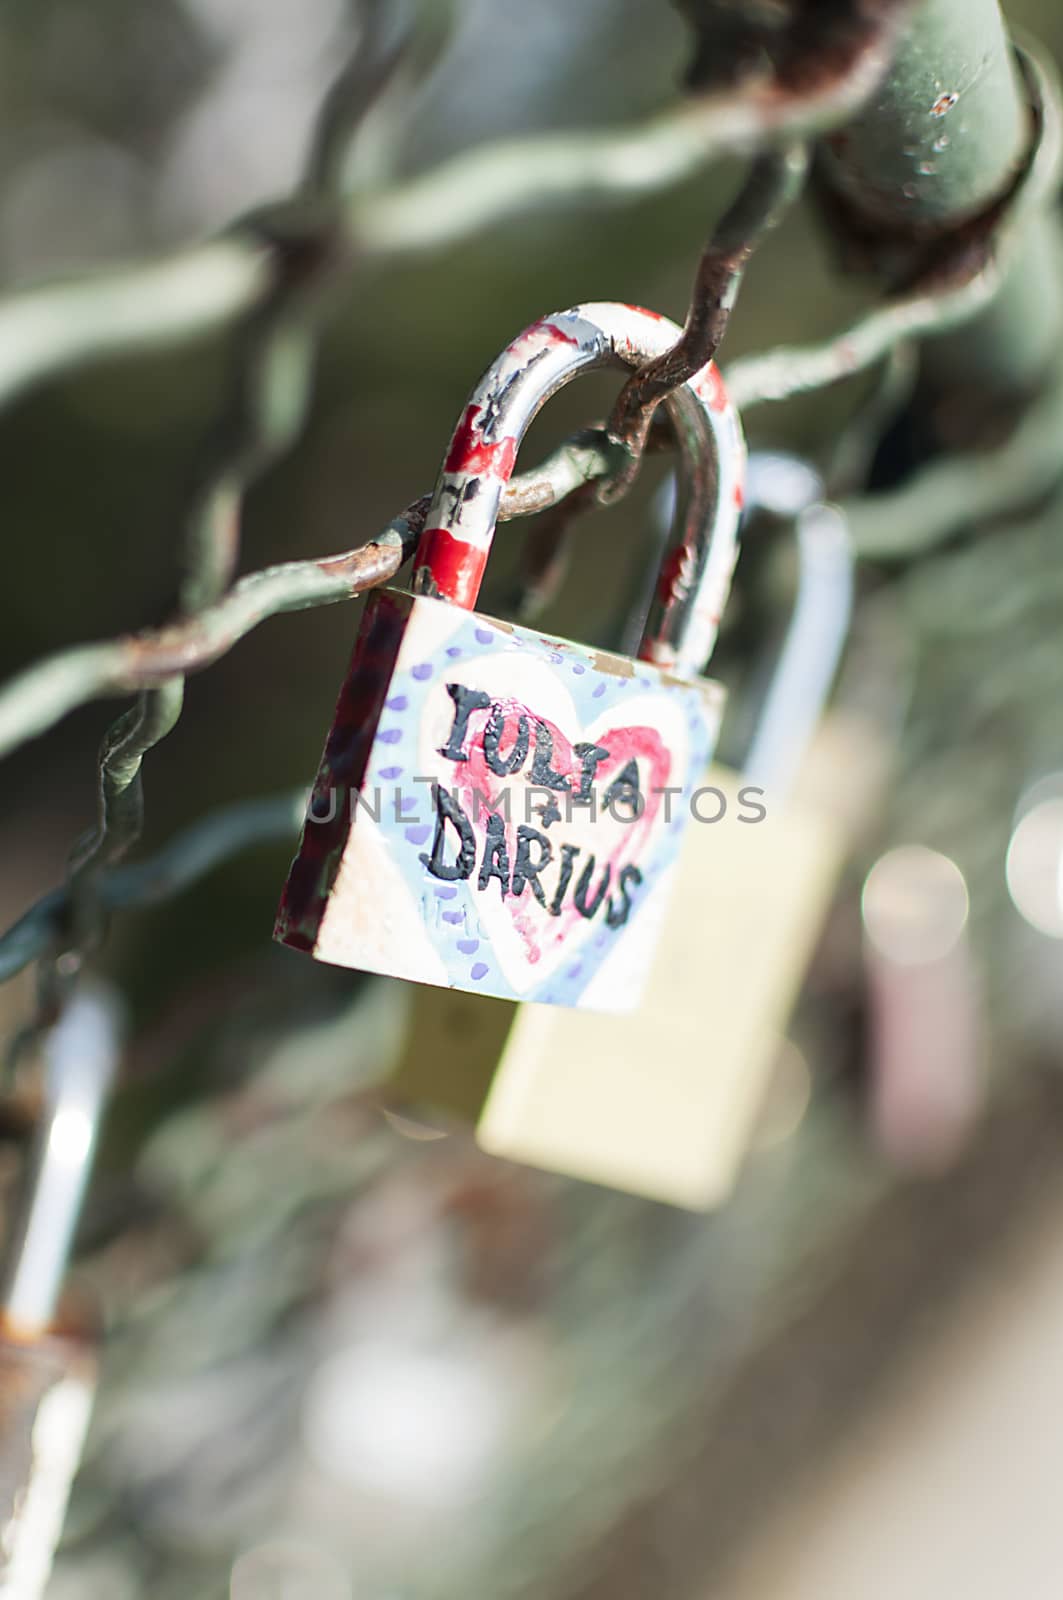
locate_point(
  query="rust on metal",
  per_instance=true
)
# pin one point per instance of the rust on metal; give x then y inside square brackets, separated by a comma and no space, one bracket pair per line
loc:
[774,179]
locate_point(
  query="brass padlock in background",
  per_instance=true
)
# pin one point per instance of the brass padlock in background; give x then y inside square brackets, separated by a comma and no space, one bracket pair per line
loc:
[47,1366]
[661,1102]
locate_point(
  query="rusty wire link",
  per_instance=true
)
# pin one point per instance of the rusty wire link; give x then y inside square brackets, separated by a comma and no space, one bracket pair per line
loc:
[383,46]
[268,398]
[56,327]
[273,361]
[544,555]
[951,493]
[38,697]
[789,70]
[961,274]
[958,284]
[189,856]
[811,92]
[586,455]
[850,457]
[774,181]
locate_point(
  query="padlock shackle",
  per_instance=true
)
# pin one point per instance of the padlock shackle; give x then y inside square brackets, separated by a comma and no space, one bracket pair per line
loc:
[696,573]
[819,626]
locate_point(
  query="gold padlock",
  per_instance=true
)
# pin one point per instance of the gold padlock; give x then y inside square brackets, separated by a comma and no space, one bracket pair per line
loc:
[661,1102]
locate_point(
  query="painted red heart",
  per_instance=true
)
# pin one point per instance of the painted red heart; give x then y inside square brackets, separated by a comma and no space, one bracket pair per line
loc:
[618,839]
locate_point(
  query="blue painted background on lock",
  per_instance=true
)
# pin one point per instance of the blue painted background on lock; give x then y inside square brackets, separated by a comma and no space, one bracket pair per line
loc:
[454,912]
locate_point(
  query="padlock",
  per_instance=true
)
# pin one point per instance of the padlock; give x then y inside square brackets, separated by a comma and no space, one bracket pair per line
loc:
[491,813]
[662,1103]
[48,1365]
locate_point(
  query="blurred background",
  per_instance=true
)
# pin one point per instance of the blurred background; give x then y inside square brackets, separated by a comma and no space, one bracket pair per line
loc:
[345,1360]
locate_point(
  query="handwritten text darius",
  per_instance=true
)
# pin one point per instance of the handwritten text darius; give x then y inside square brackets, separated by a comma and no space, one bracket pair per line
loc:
[473,842]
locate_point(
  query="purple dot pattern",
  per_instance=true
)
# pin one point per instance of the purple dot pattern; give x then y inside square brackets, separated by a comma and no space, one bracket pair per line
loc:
[451,911]
[505,961]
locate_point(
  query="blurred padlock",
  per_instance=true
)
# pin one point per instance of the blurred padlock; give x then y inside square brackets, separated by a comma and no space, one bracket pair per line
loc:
[662,1102]
[47,1369]
[464,828]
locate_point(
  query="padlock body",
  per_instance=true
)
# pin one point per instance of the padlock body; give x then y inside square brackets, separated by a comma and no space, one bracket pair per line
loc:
[497,811]
[660,1103]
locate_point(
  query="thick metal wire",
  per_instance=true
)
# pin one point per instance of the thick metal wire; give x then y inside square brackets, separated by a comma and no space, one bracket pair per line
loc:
[774,181]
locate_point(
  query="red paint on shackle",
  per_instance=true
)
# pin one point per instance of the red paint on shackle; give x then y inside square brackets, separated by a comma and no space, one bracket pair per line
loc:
[482,454]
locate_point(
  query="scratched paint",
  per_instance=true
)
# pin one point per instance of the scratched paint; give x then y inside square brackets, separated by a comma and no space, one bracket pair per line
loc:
[464,828]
